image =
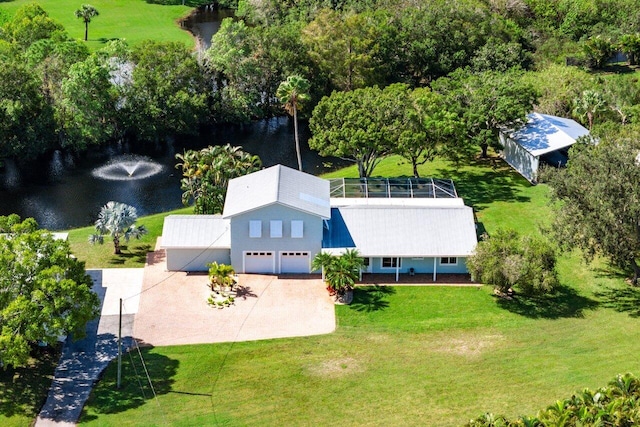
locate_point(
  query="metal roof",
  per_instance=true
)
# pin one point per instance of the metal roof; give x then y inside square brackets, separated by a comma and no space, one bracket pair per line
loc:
[392,188]
[278,185]
[196,231]
[402,231]
[544,133]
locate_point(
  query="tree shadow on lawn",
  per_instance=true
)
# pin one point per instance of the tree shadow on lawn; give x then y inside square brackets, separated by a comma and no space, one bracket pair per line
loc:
[566,302]
[487,182]
[623,300]
[135,390]
[137,254]
[24,390]
[371,298]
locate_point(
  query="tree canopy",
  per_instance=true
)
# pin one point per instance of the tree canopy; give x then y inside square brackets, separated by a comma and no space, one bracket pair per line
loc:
[599,191]
[44,291]
[207,172]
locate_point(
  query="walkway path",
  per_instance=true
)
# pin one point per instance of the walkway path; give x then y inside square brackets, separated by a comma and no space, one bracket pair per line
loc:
[82,361]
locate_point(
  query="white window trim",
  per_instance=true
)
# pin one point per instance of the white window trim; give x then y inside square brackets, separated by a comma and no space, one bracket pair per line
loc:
[393,259]
[448,258]
[297,229]
[275,228]
[255,228]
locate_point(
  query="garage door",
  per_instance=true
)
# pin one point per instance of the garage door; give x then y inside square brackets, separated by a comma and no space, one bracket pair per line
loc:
[259,262]
[294,262]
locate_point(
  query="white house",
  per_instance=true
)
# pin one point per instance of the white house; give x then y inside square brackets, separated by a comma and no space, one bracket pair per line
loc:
[277,219]
[543,137]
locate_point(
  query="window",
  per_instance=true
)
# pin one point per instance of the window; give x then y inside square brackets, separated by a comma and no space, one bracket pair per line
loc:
[276,228]
[450,260]
[255,228]
[391,262]
[296,229]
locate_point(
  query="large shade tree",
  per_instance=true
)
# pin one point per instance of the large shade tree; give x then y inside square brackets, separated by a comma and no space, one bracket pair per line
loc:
[118,221]
[45,292]
[488,102]
[86,12]
[207,172]
[600,212]
[293,93]
[360,126]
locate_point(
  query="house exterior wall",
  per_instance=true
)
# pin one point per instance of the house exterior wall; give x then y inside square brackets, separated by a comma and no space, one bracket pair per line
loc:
[424,265]
[520,159]
[179,259]
[241,242]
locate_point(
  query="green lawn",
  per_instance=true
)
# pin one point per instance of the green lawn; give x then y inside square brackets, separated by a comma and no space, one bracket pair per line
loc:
[132,20]
[23,391]
[134,253]
[406,355]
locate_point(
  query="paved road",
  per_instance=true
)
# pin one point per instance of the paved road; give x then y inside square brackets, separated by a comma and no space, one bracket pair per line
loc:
[82,361]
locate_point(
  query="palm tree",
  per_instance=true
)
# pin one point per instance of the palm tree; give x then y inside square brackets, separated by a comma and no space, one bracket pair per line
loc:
[322,261]
[590,104]
[117,220]
[221,274]
[340,272]
[293,93]
[86,12]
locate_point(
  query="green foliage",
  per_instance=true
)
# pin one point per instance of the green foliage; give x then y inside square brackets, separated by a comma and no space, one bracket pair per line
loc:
[168,93]
[630,46]
[487,103]
[117,220]
[340,272]
[45,291]
[617,404]
[589,106]
[599,191]
[508,261]
[598,50]
[363,125]
[30,24]
[221,275]
[207,172]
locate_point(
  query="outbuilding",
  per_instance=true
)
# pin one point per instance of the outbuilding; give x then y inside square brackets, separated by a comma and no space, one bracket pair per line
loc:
[545,138]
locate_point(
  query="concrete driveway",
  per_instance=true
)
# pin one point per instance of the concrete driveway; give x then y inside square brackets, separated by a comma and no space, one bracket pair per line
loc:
[173,308]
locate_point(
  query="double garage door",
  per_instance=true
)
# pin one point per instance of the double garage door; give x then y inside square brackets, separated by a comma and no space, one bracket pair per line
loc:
[265,262]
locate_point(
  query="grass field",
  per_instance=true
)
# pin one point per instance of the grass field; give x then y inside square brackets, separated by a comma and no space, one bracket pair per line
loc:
[132,20]
[404,356]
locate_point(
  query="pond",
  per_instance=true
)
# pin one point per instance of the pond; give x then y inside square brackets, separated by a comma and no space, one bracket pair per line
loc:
[65,190]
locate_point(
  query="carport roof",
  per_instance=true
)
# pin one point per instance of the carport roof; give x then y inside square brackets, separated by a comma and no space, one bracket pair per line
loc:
[402,231]
[196,231]
[544,133]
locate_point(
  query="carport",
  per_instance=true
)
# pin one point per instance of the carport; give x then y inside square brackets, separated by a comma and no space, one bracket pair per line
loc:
[545,138]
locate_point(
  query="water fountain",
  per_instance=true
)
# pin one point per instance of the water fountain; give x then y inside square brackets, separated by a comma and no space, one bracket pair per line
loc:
[128,167]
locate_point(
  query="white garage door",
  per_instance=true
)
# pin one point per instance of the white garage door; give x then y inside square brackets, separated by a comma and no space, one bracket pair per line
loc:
[294,262]
[259,262]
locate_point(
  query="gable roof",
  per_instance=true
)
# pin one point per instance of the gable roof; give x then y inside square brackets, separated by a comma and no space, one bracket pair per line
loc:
[196,231]
[278,185]
[378,231]
[544,133]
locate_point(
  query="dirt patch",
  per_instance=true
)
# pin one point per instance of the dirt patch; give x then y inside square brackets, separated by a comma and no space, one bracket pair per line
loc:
[336,368]
[469,346]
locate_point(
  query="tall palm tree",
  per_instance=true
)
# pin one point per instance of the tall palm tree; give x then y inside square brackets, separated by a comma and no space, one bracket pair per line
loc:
[86,12]
[118,221]
[293,93]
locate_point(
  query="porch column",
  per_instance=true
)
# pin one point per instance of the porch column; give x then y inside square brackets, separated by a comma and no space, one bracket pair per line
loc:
[434,267]
[397,268]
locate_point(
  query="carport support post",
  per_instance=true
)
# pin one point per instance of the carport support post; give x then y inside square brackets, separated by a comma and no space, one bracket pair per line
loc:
[119,347]
[434,268]
[397,268]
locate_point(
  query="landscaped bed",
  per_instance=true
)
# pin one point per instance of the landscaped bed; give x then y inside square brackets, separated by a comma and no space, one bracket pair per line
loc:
[405,355]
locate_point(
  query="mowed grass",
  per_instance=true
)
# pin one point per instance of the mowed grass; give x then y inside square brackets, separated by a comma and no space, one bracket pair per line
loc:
[134,252]
[404,355]
[132,20]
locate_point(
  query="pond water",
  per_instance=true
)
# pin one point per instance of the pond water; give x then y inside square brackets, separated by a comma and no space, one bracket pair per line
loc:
[204,22]
[65,190]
